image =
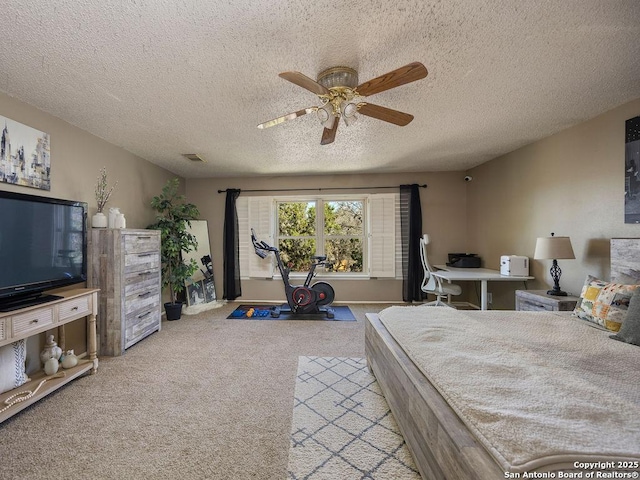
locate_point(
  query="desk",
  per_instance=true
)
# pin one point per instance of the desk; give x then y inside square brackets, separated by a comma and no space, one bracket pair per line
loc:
[482,275]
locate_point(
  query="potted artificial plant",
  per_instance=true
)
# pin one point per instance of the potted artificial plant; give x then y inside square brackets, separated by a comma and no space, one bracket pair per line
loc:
[173,216]
[103,193]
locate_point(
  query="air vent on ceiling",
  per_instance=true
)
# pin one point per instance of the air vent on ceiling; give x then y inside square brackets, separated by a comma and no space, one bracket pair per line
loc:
[194,157]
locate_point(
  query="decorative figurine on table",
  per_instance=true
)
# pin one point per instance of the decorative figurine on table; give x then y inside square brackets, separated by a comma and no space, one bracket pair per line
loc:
[69,360]
[51,350]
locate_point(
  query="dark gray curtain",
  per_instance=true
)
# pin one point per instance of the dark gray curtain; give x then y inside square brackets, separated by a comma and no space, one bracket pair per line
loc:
[231,247]
[411,231]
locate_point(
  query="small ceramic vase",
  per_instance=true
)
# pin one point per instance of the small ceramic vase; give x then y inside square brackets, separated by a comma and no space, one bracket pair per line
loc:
[51,350]
[69,360]
[99,220]
[51,366]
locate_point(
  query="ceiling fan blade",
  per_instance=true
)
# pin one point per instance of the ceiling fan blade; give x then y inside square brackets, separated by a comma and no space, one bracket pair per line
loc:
[386,114]
[284,118]
[407,74]
[329,134]
[305,82]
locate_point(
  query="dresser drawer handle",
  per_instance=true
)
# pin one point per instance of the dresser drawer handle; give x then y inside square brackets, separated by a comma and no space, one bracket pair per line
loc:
[144,273]
[142,315]
[144,237]
[74,308]
[35,320]
[146,294]
[145,254]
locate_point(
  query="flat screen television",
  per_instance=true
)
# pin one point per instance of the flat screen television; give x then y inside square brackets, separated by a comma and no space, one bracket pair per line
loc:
[43,245]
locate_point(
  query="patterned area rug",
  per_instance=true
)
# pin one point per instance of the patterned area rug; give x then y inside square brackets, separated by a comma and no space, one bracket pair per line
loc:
[342,425]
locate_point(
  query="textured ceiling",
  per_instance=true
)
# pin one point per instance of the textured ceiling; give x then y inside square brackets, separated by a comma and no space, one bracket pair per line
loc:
[165,77]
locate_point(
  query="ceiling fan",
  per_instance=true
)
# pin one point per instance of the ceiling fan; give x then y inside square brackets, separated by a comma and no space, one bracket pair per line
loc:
[342,97]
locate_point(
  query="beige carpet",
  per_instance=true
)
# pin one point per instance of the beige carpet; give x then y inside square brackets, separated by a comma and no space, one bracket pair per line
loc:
[204,398]
[342,426]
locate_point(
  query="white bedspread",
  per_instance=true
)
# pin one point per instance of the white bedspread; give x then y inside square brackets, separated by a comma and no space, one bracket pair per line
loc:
[540,390]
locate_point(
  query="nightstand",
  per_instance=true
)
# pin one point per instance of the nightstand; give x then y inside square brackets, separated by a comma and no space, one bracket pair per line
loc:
[538,300]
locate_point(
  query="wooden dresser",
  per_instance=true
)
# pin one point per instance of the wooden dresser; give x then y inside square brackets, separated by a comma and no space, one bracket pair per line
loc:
[125,265]
[538,300]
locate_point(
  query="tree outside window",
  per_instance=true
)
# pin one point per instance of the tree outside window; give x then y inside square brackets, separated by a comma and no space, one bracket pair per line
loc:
[335,228]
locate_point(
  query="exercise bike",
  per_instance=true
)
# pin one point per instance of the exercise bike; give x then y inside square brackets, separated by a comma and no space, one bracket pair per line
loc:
[304,298]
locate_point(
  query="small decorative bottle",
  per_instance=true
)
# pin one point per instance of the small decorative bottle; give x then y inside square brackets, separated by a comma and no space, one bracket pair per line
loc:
[113,214]
[120,221]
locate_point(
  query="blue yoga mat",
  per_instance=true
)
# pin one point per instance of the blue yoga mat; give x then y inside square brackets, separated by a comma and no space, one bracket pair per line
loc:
[263,312]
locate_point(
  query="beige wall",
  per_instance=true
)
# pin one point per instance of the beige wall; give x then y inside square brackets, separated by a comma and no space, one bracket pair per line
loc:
[572,184]
[443,209]
[76,160]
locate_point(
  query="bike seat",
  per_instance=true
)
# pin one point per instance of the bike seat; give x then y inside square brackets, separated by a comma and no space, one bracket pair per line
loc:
[319,258]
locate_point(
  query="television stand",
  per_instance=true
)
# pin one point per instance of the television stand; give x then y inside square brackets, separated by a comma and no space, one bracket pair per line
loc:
[27,301]
[70,306]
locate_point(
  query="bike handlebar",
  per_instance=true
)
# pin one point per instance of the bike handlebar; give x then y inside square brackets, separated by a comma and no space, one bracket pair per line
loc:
[261,246]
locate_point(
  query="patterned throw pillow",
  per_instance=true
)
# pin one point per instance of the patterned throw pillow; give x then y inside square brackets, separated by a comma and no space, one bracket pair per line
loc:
[604,303]
[630,330]
[12,363]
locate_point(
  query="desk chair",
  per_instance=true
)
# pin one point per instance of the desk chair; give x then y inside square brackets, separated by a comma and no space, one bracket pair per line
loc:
[432,284]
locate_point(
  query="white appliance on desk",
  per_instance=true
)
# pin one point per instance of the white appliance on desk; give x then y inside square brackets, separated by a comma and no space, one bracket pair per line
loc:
[514,265]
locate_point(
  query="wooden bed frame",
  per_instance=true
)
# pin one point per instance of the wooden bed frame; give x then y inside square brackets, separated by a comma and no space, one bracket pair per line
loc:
[441,444]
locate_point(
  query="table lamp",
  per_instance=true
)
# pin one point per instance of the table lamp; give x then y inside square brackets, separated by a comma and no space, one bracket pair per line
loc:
[554,248]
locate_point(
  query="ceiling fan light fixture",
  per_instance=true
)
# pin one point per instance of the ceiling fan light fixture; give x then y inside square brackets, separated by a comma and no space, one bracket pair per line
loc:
[348,111]
[338,77]
[350,120]
[325,115]
[329,122]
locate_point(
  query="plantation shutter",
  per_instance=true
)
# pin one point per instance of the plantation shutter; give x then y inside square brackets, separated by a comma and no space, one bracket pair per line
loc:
[383,235]
[260,218]
[256,213]
[398,238]
[244,232]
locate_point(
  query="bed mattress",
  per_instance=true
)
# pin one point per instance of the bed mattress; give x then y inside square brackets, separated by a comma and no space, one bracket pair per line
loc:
[540,390]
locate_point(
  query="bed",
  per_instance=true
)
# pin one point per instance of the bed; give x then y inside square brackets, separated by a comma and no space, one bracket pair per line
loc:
[494,394]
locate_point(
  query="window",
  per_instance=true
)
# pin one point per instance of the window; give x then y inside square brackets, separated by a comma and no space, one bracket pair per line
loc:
[360,235]
[322,226]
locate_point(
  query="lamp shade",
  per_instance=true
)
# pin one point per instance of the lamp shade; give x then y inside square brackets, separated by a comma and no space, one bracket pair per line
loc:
[553,248]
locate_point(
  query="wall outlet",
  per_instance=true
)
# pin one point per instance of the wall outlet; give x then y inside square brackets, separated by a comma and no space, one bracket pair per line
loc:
[489,297]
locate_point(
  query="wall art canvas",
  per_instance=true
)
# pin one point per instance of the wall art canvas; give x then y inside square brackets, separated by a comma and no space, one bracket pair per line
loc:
[24,155]
[631,173]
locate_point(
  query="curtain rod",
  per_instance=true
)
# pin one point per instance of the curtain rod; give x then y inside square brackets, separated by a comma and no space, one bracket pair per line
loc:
[317,189]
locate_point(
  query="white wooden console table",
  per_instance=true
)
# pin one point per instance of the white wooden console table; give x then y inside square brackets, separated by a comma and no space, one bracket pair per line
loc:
[23,323]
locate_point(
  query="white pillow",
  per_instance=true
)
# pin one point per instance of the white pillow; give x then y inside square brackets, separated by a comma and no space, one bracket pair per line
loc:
[12,364]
